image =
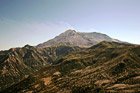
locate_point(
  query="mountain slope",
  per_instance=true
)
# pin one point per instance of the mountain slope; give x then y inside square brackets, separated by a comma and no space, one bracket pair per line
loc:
[18,63]
[105,67]
[78,39]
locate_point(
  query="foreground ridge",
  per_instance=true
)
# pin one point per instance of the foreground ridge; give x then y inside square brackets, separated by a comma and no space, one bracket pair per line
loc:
[17,64]
[105,67]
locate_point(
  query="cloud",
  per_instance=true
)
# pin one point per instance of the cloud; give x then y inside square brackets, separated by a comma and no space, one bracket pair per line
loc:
[88,30]
[16,34]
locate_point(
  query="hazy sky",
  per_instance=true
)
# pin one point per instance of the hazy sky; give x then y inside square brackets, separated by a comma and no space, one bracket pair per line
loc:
[35,21]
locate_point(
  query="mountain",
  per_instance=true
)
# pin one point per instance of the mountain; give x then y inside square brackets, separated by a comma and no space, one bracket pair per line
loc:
[80,39]
[18,63]
[107,67]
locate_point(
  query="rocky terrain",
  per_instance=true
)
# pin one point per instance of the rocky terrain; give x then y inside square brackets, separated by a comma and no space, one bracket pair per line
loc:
[80,39]
[73,62]
[106,67]
[18,63]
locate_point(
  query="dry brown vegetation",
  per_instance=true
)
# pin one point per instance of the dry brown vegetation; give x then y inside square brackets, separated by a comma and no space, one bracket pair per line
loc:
[105,67]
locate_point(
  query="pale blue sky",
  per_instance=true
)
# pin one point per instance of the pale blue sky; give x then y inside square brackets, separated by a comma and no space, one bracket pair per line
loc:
[35,21]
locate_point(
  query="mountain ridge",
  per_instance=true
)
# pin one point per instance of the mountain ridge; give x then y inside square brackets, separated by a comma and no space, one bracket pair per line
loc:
[105,67]
[18,63]
[81,39]
[64,56]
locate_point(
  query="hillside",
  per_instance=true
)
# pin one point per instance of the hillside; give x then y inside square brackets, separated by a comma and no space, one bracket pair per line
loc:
[18,63]
[105,67]
[80,39]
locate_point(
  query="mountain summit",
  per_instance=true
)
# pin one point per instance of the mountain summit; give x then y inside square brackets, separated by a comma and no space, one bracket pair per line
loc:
[80,39]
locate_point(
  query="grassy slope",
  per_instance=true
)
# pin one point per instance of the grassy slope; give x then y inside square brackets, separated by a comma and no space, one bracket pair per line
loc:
[105,67]
[17,64]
